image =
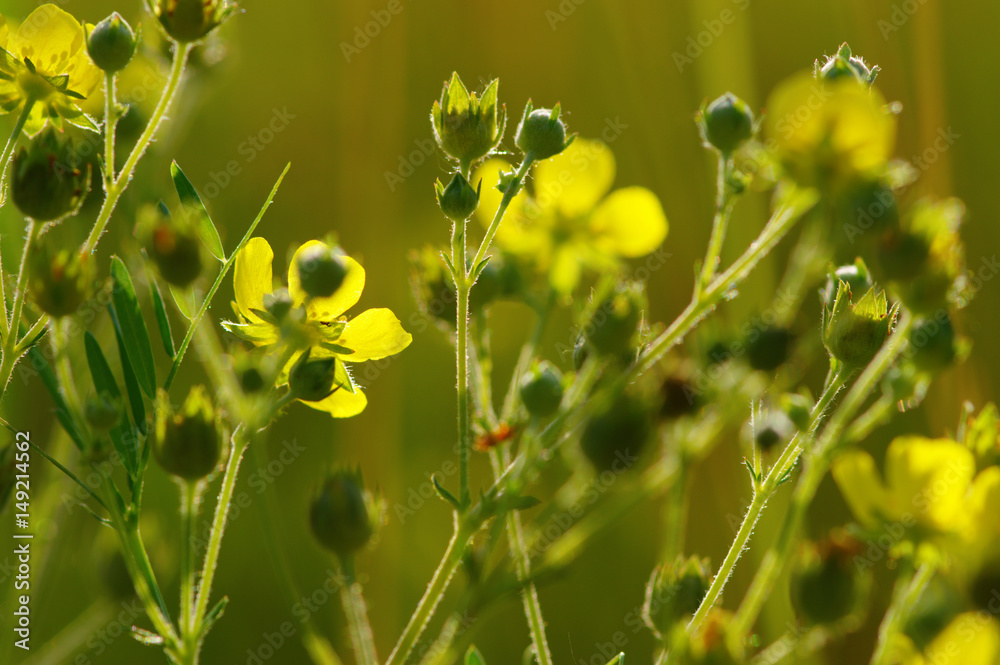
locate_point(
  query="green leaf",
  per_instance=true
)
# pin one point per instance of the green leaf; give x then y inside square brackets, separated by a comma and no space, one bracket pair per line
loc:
[133,328]
[184,299]
[214,615]
[473,657]
[105,384]
[199,214]
[131,382]
[341,378]
[38,361]
[144,637]
[161,319]
[445,494]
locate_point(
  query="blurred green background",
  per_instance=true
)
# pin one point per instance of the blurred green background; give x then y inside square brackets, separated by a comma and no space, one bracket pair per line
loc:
[354,126]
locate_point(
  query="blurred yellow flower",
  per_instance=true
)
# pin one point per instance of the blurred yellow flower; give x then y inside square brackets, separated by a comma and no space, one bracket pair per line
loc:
[567,223]
[972,638]
[928,485]
[829,133]
[46,60]
[321,327]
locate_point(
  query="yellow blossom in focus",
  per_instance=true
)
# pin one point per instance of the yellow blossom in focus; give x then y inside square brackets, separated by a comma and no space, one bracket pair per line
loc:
[569,221]
[46,60]
[316,325]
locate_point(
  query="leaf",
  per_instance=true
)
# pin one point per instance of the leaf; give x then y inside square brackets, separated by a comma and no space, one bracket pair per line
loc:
[143,636]
[161,319]
[478,270]
[133,328]
[473,657]
[131,382]
[196,208]
[214,615]
[184,301]
[105,384]
[38,361]
[444,493]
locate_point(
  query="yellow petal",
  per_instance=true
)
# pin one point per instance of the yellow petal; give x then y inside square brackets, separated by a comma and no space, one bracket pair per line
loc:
[929,478]
[861,486]
[519,230]
[51,39]
[979,527]
[325,309]
[972,638]
[574,181]
[629,223]
[252,277]
[342,404]
[373,334]
[3,32]
[564,275]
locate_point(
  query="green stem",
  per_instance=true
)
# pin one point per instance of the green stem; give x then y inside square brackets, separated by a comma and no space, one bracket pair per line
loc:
[240,440]
[186,342]
[762,492]
[818,463]
[676,511]
[110,126]
[353,600]
[723,211]
[8,148]
[432,596]
[10,342]
[532,606]
[462,363]
[905,598]
[508,196]
[190,494]
[118,186]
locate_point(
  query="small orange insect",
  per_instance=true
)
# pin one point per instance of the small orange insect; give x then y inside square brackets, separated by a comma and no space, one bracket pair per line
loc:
[489,440]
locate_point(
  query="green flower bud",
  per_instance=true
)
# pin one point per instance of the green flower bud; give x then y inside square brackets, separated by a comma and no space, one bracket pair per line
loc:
[343,516]
[853,334]
[827,585]
[934,610]
[542,390]
[680,397]
[102,412]
[614,323]
[45,180]
[191,20]
[845,65]
[278,303]
[707,646]
[321,270]
[458,200]
[111,43]
[935,345]
[249,373]
[726,123]
[856,276]
[172,244]
[468,128]
[313,380]
[61,280]
[798,408]
[768,349]
[187,443]
[617,432]
[674,592]
[542,133]
[771,429]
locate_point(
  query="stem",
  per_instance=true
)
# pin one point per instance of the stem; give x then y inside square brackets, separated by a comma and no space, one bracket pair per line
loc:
[240,441]
[118,186]
[762,492]
[905,598]
[110,127]
[676,511]
[357,617]
[723,210]
[190,493]
[819,460]
[8,148]
[10,342]
[462,362]
[532,606]
[508,196]
[432,596]
[64,370]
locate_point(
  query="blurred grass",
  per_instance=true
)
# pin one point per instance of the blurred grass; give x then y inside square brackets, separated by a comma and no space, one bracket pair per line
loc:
[356,121]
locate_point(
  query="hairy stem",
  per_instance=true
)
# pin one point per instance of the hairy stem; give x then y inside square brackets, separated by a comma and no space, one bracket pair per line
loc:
[353,600]
[905,597]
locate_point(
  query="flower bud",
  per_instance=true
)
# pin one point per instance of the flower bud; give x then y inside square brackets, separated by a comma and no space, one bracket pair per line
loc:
[726,123]
[541,133]
[617,431]
[798,408]
[856,276]
[191,20]
[61,280]
[111,43]
[45,181]
[321,270]
[343,516]
[681,397]
[313,380]
[827,585]
[705,647]
[845,65]
[542,390]
[772,429]
[768,349]
[465,127]
[187,443]
[853,334]
[674,593]
[172,244]
[278,303]
[102,412]
[458,200]
[614,324]
[935,345]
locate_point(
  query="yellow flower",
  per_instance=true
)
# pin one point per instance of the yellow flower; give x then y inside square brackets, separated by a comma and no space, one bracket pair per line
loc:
[47,60]
[828,134]
[928,485]
[314,324]
[972,638]
[568,223]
